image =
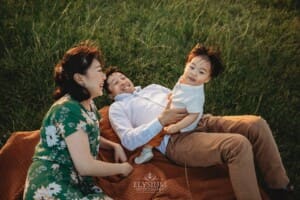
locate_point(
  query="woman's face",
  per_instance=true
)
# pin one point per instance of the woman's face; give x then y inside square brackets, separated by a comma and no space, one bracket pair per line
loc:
[118,83]
[94,78]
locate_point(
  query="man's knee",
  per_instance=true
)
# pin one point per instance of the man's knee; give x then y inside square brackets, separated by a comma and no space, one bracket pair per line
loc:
[238,146]
[257,124]
[240,142]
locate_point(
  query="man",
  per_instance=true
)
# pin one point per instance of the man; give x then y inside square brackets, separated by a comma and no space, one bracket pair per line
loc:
[137,115]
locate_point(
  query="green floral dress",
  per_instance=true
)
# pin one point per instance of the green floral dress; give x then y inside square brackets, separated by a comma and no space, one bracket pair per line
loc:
[52,174]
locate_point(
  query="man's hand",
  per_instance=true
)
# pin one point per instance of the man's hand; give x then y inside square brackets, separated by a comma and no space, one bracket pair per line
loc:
[171,116]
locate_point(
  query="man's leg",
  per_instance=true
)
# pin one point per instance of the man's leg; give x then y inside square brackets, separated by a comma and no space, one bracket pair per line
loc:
[256,129]
[207,149]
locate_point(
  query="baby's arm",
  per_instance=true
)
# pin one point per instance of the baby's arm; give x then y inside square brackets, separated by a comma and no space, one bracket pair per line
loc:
[189,119]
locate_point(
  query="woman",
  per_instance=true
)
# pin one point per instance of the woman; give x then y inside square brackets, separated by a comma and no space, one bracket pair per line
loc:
[64,161]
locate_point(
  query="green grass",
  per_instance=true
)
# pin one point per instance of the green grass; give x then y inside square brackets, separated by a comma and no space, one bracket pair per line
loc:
[149,40]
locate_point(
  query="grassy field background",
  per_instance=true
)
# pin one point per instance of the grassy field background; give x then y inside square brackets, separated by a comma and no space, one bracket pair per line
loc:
[149,40]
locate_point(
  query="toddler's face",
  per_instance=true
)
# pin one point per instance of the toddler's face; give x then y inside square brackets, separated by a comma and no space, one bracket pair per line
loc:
[197,71]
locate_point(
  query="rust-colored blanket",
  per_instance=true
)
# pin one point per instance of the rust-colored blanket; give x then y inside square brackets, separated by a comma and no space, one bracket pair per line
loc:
[158,179]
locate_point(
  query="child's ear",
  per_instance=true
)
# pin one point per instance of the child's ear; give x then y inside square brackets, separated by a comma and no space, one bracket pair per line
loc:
[207,80]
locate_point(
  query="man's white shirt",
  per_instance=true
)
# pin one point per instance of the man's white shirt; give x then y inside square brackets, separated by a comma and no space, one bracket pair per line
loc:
[134,116]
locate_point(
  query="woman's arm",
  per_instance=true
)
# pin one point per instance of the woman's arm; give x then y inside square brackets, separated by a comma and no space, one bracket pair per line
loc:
[85,164]
[120,155]
[107,144]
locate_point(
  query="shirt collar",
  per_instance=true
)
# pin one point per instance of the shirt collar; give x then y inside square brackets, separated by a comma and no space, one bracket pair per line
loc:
[123,96]
[190,87]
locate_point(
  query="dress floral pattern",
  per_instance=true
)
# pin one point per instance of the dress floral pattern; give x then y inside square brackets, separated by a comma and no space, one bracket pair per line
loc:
[52,174]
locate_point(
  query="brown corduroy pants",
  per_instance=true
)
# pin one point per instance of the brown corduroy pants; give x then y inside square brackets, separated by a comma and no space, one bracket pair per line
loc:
[237,141]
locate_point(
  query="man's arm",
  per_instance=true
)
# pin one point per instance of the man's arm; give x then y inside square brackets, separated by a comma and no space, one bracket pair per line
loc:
[132,137]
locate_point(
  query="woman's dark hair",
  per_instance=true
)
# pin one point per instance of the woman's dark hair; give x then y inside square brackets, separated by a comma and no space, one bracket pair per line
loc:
[109,71]
[76,60]
[213,55]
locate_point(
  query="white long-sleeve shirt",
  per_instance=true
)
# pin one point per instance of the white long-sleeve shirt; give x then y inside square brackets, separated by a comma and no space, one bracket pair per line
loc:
[134,116]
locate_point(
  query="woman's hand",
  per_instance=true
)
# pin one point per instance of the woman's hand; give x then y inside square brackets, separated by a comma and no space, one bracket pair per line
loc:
[120,155]
[126,169]
[119,152]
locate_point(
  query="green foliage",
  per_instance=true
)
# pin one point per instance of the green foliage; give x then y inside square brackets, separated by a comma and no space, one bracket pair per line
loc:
[149,41]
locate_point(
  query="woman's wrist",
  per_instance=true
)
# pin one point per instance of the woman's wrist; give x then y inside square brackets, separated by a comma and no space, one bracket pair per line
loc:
[114,145]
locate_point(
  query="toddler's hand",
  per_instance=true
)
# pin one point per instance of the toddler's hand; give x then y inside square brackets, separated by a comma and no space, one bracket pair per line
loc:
[171,129]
